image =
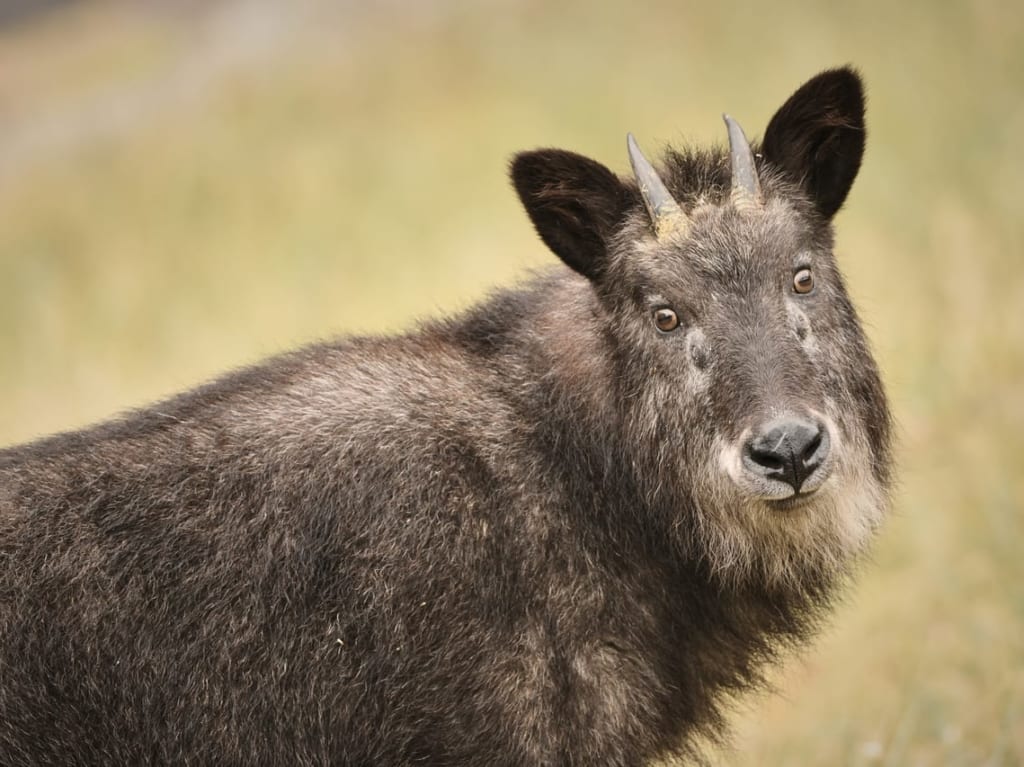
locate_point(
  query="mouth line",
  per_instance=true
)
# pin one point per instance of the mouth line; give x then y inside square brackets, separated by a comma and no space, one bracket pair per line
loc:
[794,501]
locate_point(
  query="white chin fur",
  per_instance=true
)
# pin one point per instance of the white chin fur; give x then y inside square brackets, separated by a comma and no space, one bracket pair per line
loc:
[743,537]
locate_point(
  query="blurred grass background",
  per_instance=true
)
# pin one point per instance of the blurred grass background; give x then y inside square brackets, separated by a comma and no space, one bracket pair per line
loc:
[189,186]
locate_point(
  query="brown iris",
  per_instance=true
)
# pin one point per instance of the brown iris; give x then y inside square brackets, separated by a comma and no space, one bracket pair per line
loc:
[666,320]
[803,281]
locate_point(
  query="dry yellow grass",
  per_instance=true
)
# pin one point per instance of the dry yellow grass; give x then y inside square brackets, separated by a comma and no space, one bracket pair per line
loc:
[181,193]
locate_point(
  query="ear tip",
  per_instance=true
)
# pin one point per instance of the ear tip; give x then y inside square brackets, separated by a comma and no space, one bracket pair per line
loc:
[532,161]
[518,164]
[850,71]
[846,78]
[527,171]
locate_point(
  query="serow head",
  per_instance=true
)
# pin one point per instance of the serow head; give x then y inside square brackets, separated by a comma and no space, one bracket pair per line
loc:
[751,408]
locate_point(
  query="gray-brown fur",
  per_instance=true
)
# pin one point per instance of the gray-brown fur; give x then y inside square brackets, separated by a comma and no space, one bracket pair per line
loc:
[506,538]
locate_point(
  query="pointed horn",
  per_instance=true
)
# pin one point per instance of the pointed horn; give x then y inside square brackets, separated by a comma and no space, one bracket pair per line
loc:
[746,189]
[665,212]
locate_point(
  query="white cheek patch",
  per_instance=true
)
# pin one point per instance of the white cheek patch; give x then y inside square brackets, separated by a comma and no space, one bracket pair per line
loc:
[730,461]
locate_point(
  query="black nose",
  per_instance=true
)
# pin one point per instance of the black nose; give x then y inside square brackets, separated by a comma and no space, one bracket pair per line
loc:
[788,449]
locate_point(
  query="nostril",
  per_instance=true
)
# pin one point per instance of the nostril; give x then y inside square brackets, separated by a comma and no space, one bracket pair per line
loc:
[765,458]
[812,447]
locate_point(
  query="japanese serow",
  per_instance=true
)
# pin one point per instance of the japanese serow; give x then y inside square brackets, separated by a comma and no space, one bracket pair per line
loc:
[558,529]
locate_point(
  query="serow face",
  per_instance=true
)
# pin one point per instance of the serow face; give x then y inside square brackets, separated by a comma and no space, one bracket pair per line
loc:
[748,390]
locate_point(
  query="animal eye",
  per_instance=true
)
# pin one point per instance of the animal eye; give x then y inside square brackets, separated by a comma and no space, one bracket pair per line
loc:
[666,320]
[803,281]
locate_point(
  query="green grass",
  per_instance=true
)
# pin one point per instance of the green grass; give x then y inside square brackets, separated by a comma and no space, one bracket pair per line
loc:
[351,177]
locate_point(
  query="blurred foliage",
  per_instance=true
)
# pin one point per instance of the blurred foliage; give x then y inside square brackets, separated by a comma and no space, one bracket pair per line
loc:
[186,187]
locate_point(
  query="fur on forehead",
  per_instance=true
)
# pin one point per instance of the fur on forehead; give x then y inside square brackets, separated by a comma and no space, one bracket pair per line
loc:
[699,177]
[700,181]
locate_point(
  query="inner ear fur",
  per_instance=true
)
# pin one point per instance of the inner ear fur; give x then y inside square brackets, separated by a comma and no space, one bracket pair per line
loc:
[576,204]
[817,137]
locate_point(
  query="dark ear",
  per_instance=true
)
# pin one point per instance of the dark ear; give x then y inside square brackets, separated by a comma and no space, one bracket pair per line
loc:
[817,137]
[575,203]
